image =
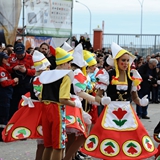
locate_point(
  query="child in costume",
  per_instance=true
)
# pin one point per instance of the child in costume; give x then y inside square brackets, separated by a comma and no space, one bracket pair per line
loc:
[77,119]
[55,95]
[26,122]
[91,81]
[6,91]
[118,132]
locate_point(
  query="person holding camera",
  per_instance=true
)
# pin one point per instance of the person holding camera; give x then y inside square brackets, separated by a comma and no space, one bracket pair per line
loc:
[149,76]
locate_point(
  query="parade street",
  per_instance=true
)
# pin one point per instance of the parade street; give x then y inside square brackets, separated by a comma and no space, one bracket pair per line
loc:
[25,150]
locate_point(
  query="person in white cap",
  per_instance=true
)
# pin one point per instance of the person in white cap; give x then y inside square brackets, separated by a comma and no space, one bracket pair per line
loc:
[118,132]
[26,122]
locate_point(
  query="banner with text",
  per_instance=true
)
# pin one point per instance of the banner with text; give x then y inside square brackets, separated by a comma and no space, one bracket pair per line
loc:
[48,17]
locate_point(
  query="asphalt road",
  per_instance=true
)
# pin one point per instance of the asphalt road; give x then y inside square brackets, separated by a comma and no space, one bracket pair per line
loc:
[25,150]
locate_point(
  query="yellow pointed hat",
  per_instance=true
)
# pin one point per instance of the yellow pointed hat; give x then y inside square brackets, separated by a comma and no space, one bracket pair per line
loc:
[88,57]
[62,56]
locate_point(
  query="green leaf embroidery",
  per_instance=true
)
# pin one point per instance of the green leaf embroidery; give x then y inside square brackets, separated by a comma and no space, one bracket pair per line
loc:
[23,131]
[110,144]
[38,88]
[68,117]
[119,122]
[80,85]
[92,140]
[131,145]
[79,120]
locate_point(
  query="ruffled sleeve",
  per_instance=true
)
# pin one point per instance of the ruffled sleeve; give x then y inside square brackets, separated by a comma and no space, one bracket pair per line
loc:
[79,82]
[102,77]
[137,79]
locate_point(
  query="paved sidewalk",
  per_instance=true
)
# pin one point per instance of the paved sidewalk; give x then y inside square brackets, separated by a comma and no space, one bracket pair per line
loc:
[25,150]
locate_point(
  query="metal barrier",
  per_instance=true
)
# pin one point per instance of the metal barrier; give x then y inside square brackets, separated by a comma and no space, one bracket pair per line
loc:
[148,45]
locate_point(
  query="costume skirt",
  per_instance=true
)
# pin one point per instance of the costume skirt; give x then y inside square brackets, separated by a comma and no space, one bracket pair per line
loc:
[119,134]
[25,123]
[74,121]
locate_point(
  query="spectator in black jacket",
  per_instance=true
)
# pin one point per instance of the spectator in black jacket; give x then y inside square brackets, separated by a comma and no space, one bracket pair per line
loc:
[88,44]
[82,41]
[149,76]
[44,48]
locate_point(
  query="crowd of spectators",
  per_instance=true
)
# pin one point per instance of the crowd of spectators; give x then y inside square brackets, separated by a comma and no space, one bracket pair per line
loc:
[86,44]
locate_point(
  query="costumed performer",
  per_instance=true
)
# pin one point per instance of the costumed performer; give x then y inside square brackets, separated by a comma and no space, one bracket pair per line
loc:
[91,80]
[55,95]
[118,132]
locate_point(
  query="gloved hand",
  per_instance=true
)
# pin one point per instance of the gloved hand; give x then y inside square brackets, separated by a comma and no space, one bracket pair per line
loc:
[78,103]
[144,101]
[87,118]
[105,100]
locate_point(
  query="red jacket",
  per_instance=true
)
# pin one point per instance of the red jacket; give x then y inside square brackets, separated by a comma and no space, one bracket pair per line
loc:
[26,61]
[6,87]
[24,77]
[5,78]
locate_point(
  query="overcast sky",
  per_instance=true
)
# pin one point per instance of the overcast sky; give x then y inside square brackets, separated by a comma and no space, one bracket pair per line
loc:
[119,16]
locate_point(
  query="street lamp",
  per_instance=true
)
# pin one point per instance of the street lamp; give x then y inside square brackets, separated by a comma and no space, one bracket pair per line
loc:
[90,17]
[141,3]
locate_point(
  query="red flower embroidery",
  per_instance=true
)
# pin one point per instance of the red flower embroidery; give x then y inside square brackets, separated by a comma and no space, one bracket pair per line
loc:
[90,145]
[132,150]
[80,77]
[119,113]
[36,82]
[149,145]
[100,72]
[109,150]
[20,136]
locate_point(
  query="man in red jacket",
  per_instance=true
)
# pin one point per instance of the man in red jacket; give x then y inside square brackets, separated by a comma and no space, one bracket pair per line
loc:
[20,65]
